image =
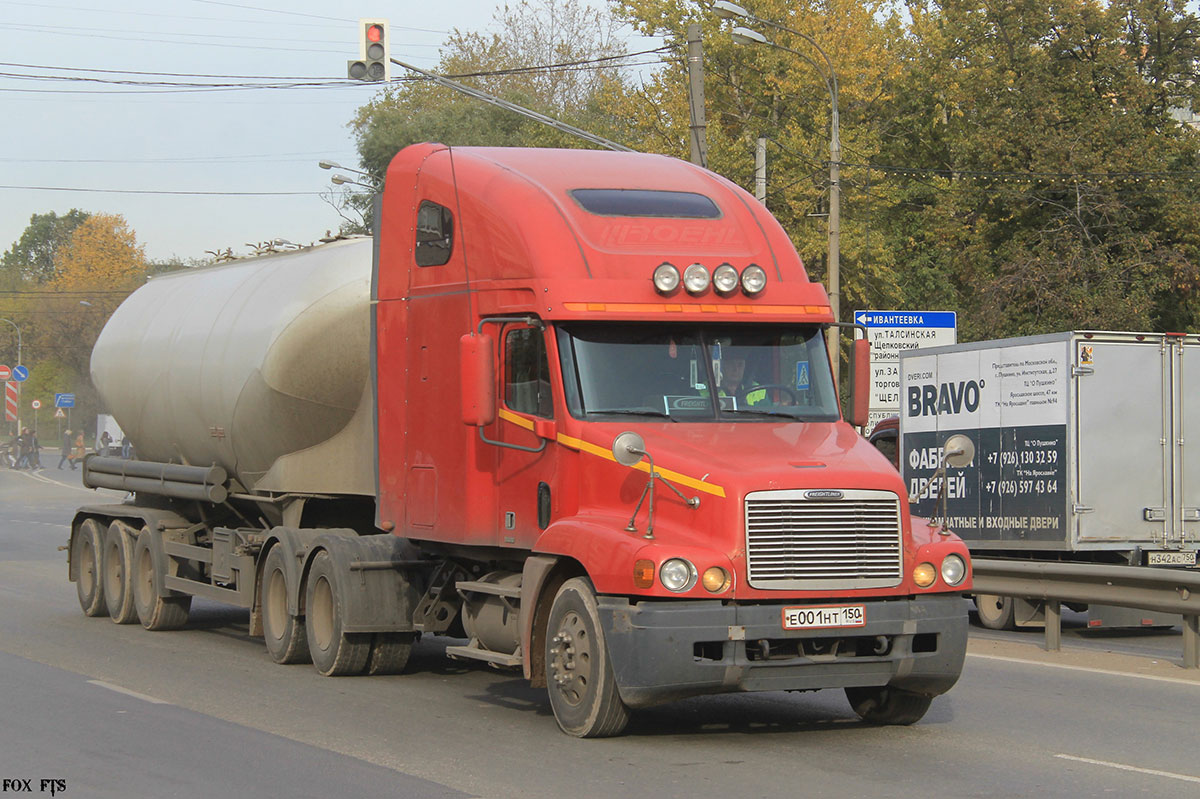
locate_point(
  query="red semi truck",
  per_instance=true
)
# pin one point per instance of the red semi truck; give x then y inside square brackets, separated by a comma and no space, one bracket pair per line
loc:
[573,408]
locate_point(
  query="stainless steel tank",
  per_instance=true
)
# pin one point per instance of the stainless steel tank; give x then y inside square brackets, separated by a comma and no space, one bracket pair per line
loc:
[259,366]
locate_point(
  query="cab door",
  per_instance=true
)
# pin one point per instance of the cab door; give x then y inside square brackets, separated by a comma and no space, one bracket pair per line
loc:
[527,456]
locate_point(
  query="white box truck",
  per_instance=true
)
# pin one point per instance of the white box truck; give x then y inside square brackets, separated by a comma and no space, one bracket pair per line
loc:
[1082,452]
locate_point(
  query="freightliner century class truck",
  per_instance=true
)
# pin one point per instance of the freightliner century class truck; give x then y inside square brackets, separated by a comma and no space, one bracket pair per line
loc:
[573,408]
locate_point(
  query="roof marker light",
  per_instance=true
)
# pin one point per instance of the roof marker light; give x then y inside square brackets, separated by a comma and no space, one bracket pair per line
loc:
[666,278]
[696,279]
[754,279]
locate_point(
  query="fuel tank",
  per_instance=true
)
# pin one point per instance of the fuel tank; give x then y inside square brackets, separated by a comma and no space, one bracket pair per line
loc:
[260,366]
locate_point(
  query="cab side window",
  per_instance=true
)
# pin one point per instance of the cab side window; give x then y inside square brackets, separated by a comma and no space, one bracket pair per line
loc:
[527,373]
[435,234]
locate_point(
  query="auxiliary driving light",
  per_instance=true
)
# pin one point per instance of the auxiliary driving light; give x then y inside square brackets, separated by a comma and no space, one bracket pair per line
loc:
[677,574]
[954,570]
[725,280]
[924,575]
[696,279]
[754,279]
[666,278]
[715,579]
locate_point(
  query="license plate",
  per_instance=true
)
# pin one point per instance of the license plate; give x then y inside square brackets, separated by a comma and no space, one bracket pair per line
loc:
[817,617]
[1172,558]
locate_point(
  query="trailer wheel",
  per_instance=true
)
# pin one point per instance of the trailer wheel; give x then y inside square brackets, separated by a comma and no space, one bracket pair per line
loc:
[284,633]
[887,705]
[389,653]
[995,612]
[579,675]
[334,653]
[85,555]
[155,612]
[118,574]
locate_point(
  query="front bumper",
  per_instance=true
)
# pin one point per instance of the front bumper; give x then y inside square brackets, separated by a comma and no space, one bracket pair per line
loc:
[666,650]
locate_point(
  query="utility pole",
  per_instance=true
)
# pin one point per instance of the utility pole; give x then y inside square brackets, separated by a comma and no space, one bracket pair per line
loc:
[760,170]
[695,62]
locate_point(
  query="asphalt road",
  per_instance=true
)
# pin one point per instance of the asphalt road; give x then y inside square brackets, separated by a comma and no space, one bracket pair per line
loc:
[202,712]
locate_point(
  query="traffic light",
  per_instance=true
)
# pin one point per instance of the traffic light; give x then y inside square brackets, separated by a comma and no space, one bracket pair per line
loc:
[373,64]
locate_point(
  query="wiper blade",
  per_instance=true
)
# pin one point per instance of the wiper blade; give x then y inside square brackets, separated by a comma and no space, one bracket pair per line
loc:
[633,412]
[757,412]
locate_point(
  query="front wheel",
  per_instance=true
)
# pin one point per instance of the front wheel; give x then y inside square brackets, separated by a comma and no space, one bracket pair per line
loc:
[887,705]
[579,675]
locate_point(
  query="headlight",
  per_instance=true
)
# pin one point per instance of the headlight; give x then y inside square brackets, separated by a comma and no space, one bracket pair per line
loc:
[924,575]
[677,574]
[954,569]
[695,279]
[666,278]
[725,279]
[754,279]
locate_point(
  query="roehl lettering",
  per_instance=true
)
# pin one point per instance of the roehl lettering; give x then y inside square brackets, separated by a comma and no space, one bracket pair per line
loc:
[931,400]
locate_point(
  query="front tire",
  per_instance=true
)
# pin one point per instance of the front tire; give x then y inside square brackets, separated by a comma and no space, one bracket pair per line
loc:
[85,555]
[579,675]
[284,633]
[887,705]
[155,611]
[117,564]
[334,653]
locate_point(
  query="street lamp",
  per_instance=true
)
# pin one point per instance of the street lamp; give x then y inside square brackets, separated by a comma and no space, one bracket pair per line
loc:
[743,35]
[14,325]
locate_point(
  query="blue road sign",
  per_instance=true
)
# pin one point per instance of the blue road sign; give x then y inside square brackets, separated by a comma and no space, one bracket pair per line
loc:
[64,400]
[20,373]
[906,318]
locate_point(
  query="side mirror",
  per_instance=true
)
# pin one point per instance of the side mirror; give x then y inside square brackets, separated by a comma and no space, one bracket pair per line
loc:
[860,381]
[628,448]
[477,366]
[958,451]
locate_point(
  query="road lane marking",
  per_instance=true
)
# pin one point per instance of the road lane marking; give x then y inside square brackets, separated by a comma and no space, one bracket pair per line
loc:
[1105,672]
[118,689]
[1151,771]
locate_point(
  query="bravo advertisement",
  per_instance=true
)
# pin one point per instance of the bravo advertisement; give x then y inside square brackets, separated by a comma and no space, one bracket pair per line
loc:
[1012,404]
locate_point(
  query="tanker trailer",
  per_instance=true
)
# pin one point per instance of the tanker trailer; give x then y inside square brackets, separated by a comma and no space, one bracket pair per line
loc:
[245,390]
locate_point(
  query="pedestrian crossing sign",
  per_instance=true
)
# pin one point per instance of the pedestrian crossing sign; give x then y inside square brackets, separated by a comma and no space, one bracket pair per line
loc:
[802,375]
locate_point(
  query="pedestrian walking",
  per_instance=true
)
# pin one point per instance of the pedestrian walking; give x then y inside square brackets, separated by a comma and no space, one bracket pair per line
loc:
[77,451]
[66,450]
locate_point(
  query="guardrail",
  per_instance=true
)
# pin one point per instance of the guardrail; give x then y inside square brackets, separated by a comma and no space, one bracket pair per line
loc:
[1141,587]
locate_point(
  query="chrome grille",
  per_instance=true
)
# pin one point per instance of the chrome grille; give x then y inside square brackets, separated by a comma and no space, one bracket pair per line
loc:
[793,542]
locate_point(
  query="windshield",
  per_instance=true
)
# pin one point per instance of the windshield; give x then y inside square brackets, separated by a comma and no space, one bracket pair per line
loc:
[760,372]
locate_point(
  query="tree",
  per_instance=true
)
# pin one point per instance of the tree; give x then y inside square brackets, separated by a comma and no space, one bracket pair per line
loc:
[102,253]
[31,257]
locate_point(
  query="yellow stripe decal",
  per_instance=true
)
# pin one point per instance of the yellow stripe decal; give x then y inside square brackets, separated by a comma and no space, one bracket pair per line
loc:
[519,421]
[642,466]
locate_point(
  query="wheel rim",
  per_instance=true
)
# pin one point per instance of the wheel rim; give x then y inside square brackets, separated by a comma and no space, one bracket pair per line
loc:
[87,567]
[991,607]
[321,613]
[275,605]
[144,584]
[570,659]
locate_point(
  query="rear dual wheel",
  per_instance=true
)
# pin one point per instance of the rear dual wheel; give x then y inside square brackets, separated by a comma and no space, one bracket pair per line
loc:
[155,611]
[284,633]
[335,652]
[117,570]
[86,547]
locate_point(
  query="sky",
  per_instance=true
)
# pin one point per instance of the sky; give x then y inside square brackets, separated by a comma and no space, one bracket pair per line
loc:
[193,171]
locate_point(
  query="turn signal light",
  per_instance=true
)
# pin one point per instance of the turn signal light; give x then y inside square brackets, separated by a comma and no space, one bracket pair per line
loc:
[715,579]
[924,575]
[643,574]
